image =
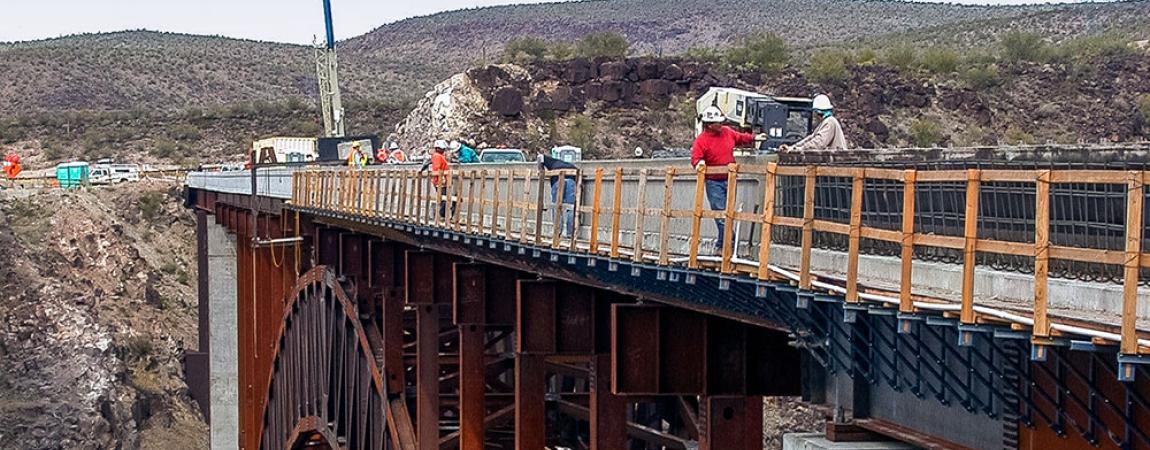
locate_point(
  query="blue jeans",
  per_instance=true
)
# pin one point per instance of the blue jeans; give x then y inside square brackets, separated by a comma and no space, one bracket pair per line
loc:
[568,204]
[444,197]
[717,197]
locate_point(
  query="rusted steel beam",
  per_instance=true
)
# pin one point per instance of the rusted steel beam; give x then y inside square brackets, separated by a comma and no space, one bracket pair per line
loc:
[353,264]
[661,350]
[419,276]
[427,376]
[327,246]
[530,407]
[634,430]
[608,412]
[535,332]
[469,294]
[731,423]
[536,318]
[496,418]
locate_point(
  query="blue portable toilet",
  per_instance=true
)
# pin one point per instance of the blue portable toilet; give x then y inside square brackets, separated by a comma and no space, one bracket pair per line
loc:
[72,175]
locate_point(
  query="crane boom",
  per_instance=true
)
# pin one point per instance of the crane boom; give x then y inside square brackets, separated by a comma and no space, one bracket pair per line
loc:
[327,68]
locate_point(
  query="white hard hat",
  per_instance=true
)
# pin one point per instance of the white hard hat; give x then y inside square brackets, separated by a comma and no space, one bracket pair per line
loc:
[393,146]
[440,143]
[455,145]
[713,115]
[822,103]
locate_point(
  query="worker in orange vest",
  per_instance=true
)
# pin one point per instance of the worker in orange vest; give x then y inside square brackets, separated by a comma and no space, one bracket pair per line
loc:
[12,166]
[438,164]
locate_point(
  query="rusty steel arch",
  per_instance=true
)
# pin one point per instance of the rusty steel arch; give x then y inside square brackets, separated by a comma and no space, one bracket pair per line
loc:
[325,386]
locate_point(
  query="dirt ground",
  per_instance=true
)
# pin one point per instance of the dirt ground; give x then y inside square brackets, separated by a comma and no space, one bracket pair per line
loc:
[97,305]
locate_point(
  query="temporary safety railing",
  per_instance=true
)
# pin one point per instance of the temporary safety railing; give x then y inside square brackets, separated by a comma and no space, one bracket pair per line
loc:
[886,205]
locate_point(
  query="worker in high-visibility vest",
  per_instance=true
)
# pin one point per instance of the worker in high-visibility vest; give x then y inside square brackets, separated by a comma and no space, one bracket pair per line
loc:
[356,159]
[12,166]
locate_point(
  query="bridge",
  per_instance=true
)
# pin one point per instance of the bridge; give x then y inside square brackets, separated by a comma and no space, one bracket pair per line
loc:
[945,304]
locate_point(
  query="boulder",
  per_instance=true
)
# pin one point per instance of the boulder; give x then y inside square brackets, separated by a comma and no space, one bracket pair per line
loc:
[673,73]
[656,88]
[648,70]
[614,71]
[507,101]
[563,99]
[880,131]
[579,71]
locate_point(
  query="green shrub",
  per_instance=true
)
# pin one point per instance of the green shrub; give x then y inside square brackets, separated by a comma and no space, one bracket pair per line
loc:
[151,205]
[606,44]
[184,132]
[1016,136]
[973,136]
[982,77]
[525,49]
[561,51]
[938,60]
[828,67]
[866,57]
[581,133]
[925,133]
[901,58]
[765,52]
[1023,46]
[1144,106]
[704,54]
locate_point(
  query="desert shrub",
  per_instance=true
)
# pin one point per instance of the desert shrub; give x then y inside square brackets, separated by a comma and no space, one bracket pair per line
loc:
[925,133]
[606,44]
[184,132]
[974,135]
[982,77]
[766,52]
[1023,46]
[866,57]
[581,133]
[138,348]
[561,51]
[305,127]
[704,54]
[938,60]
[168,149]
[901,58]
[151,205]
[525,49]
[828,67]
[1144,106]
[1017,136]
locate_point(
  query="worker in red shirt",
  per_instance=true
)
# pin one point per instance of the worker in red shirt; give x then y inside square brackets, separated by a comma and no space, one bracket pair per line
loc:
[715,146]
[438,163]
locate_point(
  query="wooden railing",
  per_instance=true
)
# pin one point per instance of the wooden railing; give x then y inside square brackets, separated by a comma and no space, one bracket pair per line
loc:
[512,204]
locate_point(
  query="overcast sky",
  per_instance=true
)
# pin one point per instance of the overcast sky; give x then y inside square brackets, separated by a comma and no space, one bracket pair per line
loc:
[294,21]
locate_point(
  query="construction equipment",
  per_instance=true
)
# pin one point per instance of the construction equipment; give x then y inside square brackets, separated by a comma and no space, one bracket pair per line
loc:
[326,68]
[72,175]
[785,120]
[284,150]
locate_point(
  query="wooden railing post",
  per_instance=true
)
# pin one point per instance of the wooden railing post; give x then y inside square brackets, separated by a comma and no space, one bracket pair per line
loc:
[771,179]
[640,214]
[616,213]
[1041,253]
[575,215]
[598,190]
[969,248]
[697,219]
[729,213]
[557,214]
[478,228]
[665,222]
[905,303]
[808,226]
[539,203]
[1134,200]
[857,187]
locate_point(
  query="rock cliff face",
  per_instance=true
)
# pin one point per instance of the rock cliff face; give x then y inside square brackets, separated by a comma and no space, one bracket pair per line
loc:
[96,307]
[612,106]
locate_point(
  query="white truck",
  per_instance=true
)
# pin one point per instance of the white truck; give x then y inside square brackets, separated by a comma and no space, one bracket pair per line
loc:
[107,173]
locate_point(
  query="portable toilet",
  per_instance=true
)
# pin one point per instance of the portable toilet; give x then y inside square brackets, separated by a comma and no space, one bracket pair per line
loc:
[72,175]
[567,153]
